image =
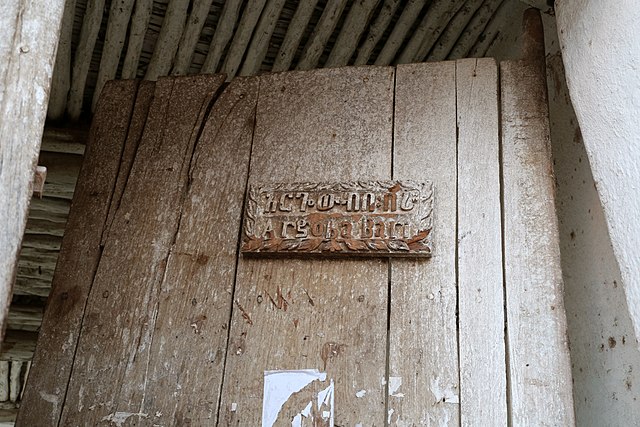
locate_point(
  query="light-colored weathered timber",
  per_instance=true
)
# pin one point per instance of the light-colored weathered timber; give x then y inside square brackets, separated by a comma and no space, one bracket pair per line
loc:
[408,16]
[433,23]
[119,15]
[376,30]
[28,40]
[224,32]
[261,37]
[328,315]
[82,60]
[321,34]
[4,380]
[79,257]
[190,338]
[474,29]
[109,369]
[349,37]
[168,39]
[190,36]
[456,26]
[294,34]
[423,346]
[137,31]
[242,36]
[538,353]
[483,382]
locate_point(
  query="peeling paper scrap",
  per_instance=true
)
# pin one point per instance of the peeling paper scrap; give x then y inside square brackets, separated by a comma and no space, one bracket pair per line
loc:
[391,411]
[394,386]
[361,393]
[443,395]
[280,385]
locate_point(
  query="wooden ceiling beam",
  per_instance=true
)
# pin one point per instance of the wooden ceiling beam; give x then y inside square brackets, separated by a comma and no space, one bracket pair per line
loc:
[376,31]
[61,80]
[222,36]
[452,33]
[399,33]
[321,34]
[261,37]
[294,34]
[168,39]
[352,29]
[432,25]
[137,31]
[474,29]
[190,37]
[242,37]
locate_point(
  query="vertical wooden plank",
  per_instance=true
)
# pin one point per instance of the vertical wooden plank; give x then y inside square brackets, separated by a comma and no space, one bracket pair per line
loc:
[539,364]
[79,257]
[190,340]
[423,345]
[483,375]
[28,41]
[113,351]
[320,314]
[144,99]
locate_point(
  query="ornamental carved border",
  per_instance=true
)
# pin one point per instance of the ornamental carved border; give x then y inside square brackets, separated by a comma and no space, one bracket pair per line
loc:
[362,218]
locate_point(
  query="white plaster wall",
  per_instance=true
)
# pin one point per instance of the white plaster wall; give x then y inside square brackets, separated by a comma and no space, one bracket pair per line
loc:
[600,41]
[605,358]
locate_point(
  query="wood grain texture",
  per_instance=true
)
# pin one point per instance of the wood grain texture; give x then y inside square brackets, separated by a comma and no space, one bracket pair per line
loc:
[79,256]
[196,296]
[292,39]
[139,115]
[109,370]
[224,32]
[539,363]
[321,33]
[483,386]
[324,314]
[28,41]
[168,40]
[137,31]
[423,347]
[242,37]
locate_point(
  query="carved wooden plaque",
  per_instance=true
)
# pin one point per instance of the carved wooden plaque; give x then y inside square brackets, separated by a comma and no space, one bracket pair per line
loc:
[372,218]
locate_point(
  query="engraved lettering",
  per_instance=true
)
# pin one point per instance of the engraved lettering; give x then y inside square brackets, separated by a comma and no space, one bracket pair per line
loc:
[326,202]
[317,229]
[283,207]
[303,202]
[301,228]
[271,203]
[285,226]
[353,202]
[369,202]
[268,229]
[346,229]
[407,201]
[389,202]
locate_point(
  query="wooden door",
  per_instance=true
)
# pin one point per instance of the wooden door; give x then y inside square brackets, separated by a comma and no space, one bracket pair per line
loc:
[158,319]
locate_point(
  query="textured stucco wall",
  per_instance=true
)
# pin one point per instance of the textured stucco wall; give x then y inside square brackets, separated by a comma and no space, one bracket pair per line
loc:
[600,41]
[604,355]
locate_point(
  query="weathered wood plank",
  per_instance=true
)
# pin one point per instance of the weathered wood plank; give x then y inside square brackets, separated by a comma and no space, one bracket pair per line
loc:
[61,80]
[408,16]
[224,32]
[321,34]
[328,315]
[183,387]
[28,40]
[139,115]
[354,24]
[292,39]
[137,31]
[376,31]
[474,29]
[261,37]
[119,14]
[242,36]
[451,34]
[190,36]
[82,57]
[53,359]
[539,364]
[423,347]
[483,382]
[168,39]
[113,351]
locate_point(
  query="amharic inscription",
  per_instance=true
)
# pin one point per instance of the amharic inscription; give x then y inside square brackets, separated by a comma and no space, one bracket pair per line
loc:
[371,218]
